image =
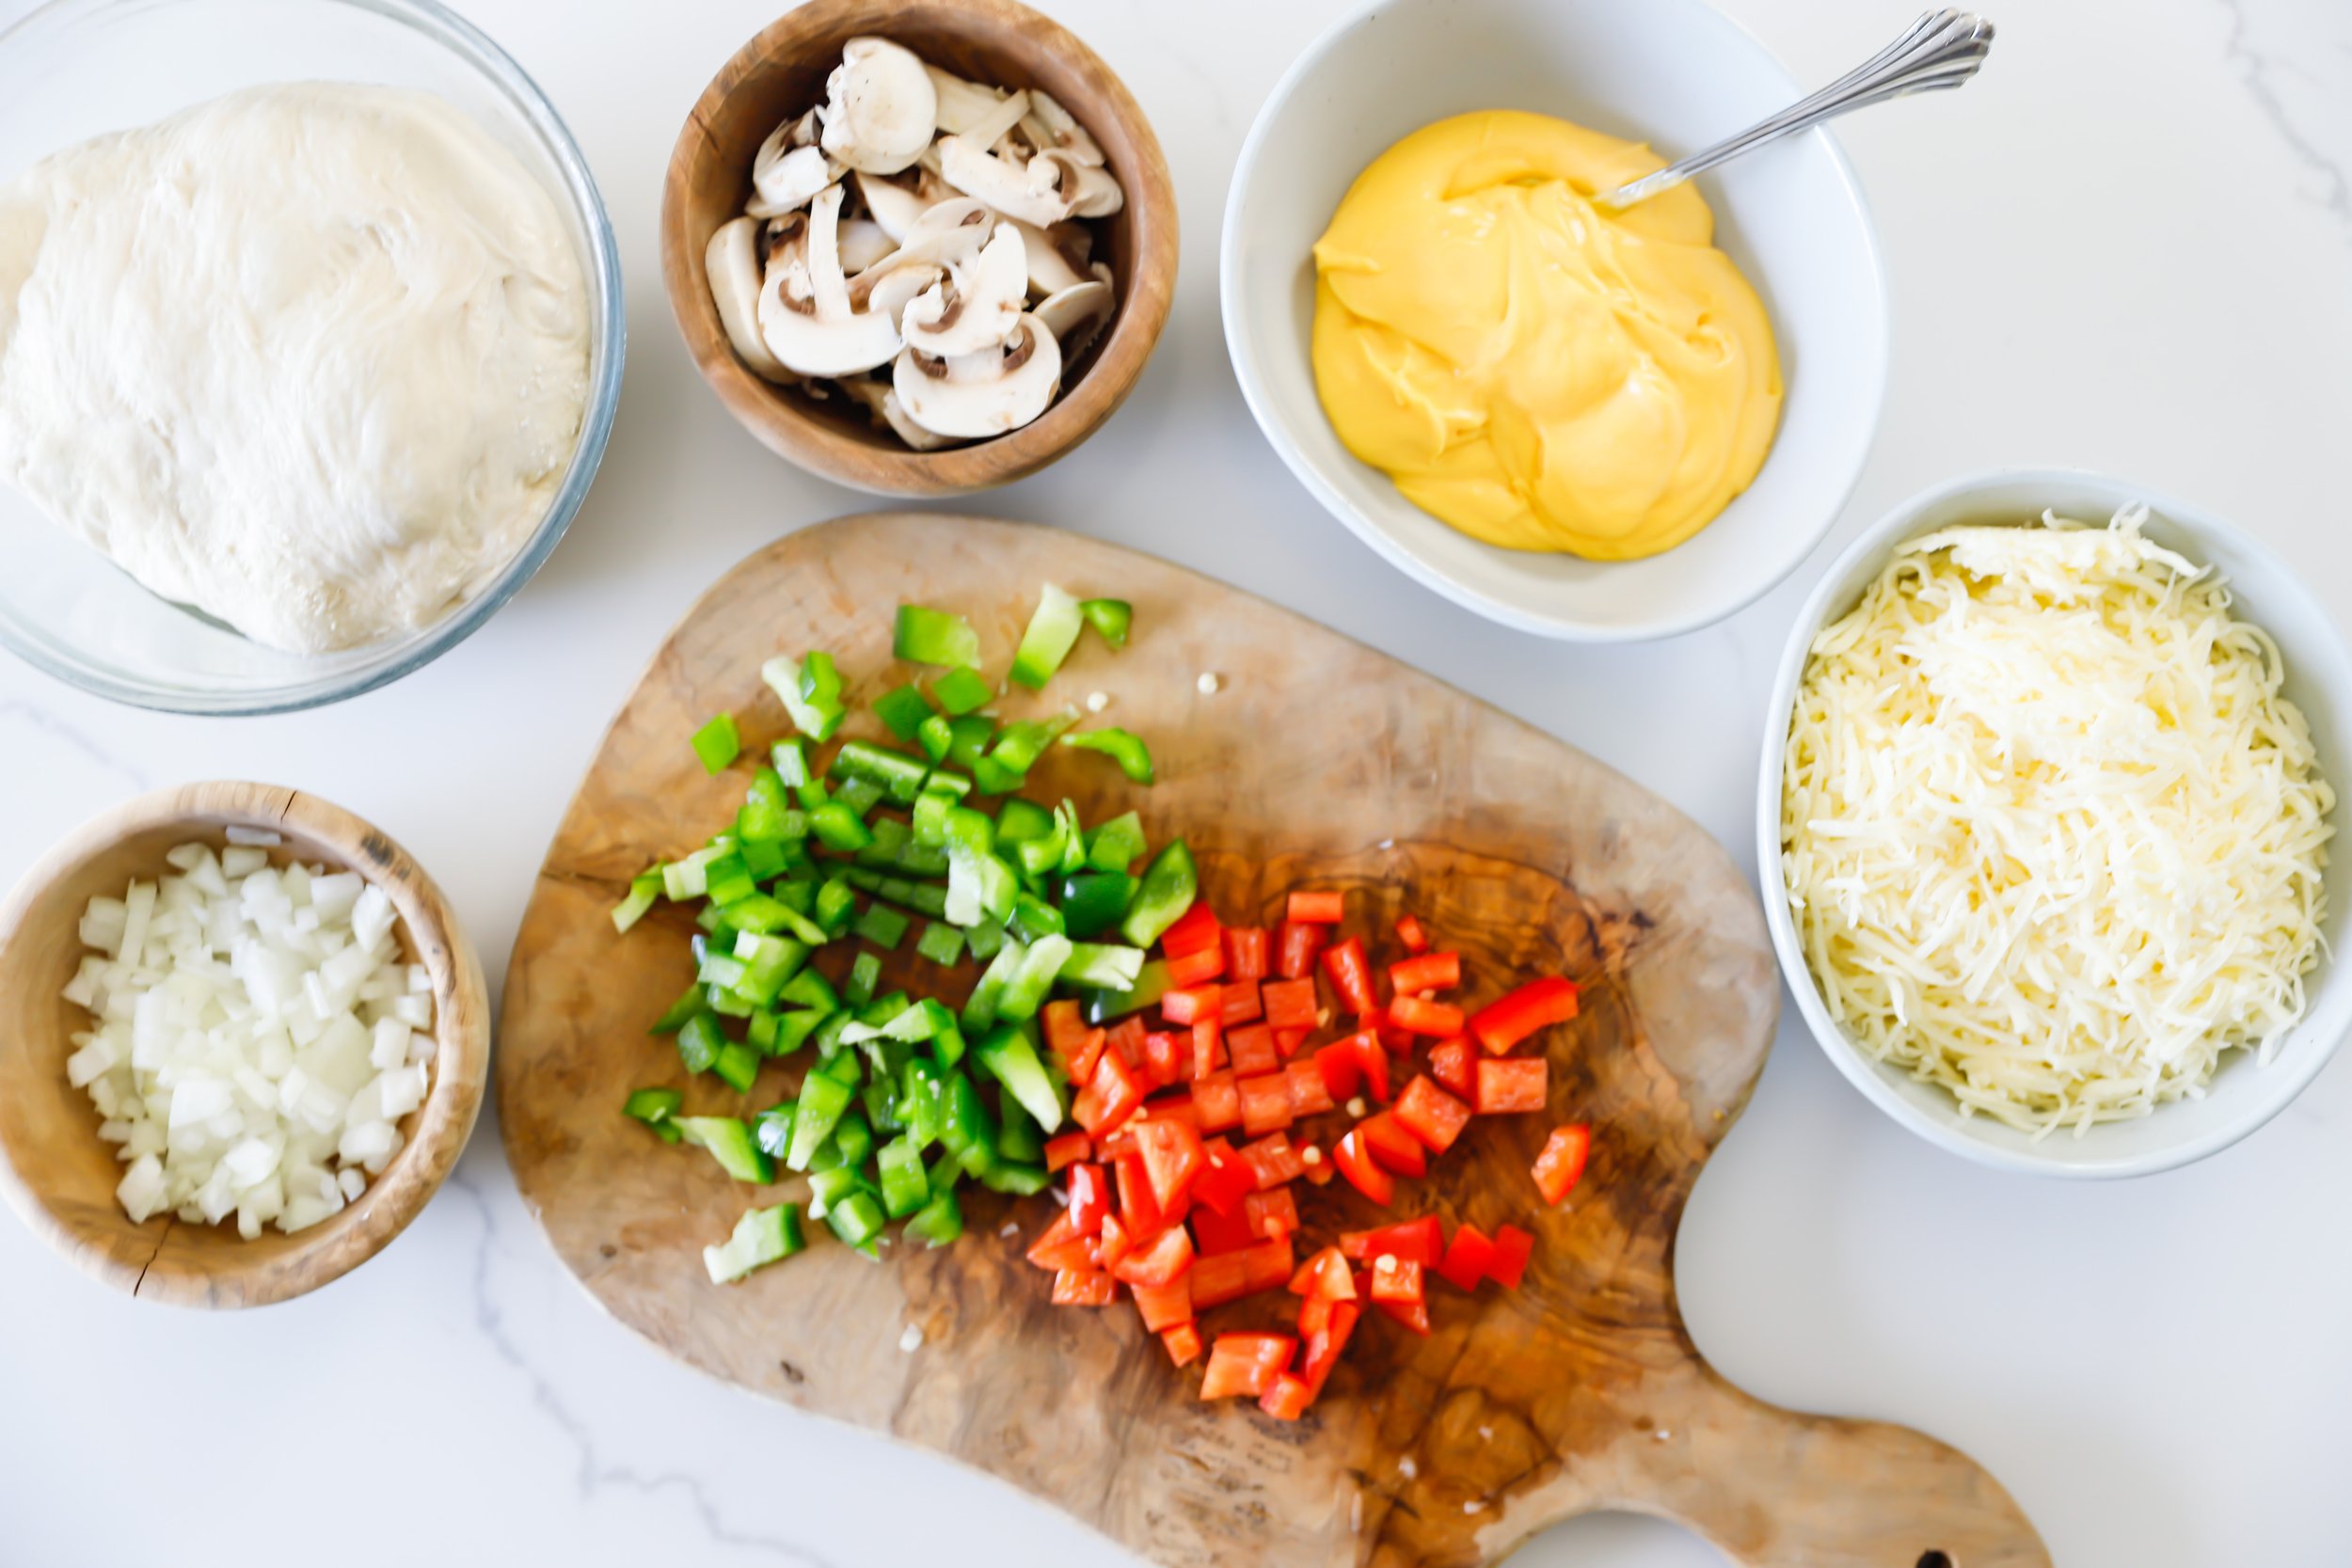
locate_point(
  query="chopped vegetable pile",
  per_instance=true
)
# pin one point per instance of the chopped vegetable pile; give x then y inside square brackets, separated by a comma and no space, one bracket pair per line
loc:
[1049,1066]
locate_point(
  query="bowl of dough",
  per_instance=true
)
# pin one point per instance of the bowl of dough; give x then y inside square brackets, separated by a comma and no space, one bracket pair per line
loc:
[309,346]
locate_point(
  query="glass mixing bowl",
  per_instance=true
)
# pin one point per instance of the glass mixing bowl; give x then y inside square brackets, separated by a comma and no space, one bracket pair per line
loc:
[77,67]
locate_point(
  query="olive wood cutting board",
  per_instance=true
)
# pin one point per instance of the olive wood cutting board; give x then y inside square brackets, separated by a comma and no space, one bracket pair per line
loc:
[1318,762]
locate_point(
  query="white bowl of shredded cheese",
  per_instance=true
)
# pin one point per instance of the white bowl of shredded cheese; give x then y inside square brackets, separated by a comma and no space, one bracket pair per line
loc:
[2043,824]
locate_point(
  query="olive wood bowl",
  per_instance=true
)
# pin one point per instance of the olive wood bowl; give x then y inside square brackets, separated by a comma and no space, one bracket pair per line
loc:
[780,74]
[60,1177]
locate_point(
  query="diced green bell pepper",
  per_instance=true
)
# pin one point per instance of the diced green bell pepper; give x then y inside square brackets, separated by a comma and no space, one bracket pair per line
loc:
[1018,820]
[882,926]
[863,974]
[970,1133]
[699,1042]
[941,942]
[856,1219]
[657,1109]
[643,889]
[962,691]
[904,1187]
[1092,902]
[971,734]
[857,796]
[1122,747]
[898,775]
[1111,619]
[738,1065]
[823,1099]
[718,743]
[940,1221]
[925,636]
[838,827]
[688,876]
[1033,918]
[980,1008]
[772,1128]
[1026,991]
[903,710]
[986,938]
[766,809]
[837,905]
[761,1236]
[1101,966]
[1169,886]
[732,1145]
[1105,1006]
[1022,1180]
[809,988]
[1116,845]
[792,760]
[1053,631]
[1010,1057]
[810,689]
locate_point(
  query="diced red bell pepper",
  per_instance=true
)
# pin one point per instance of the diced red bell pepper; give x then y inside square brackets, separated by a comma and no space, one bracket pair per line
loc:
[1501,1025]
[1513,1248]
[1315,1313]
[1467,1258]
[1126,1038]
[1161,1262]
[1296,949]
[1273,1161]
[1208,1047]
[1426,972]
[1137,1208]
[1339,1068]
[1084,1287]
[1196,969]
[1090,1199]
[1271,1214]
[1419,1016]
[1172,1156]
[1452,1065]
[1246,1363]
[1372,1059]
[1183,1342]
[1309,1094]
[1288,1004]
[1265,1102]
[1216,1103]
[1414,1315]
[1269,1264]
[1287,1041]
[1287,1397]
[1326,1275]
[1065,1029]
[1562,1162]
[1350,975]
[1318,1165]
[1241,1003]
[1162,1306]
[1398,1040]
[1411,932]
[1324,1344]
[1246,952]
[1512,1084]
[1215,1234]
[1166,1107]
[1218,1277]
[1393,1146]
[1421,1241]
[1117,1241]
[1195,929]
[1166,1057]
[1067,1149]
[1362,1172]
[1430,1115]
[1251,1048]
[1317,909]
[1392,1279]
[1192,1005]
[1225,1179]
[1110,1099]
[1059,1246]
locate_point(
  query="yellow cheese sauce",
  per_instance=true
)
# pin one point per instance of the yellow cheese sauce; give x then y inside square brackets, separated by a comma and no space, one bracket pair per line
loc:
[1537,372]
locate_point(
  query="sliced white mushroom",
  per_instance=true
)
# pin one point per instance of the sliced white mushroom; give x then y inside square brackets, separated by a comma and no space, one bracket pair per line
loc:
[1076,316]
[947,234]
[890,291]
[863,244]
[983,395]
[807,316]
[880,107]
[999,121]
[732,262]
[785,177]
[1050,270]
[891,204]
[1051,127]
[1100,272]
[961,103]
[882,401]
[1090,192]
[971,169]
[978,304]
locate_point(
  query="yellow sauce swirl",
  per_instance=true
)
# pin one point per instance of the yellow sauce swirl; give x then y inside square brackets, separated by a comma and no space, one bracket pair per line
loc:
[1535,371]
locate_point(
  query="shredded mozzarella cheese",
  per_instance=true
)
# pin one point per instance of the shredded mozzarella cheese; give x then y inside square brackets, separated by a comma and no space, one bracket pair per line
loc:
[2051,835]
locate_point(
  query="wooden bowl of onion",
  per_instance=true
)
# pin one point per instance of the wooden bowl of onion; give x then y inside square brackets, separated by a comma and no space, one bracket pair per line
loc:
[921,248]
[242,1042]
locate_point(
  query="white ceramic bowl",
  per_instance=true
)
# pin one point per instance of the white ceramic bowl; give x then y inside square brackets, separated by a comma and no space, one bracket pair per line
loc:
[1672,72]
[2244,1093]
[76,68]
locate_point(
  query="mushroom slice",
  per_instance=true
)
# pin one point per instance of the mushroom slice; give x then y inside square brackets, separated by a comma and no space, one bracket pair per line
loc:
[1051,128]
[1050,269]
[807,316]
[785,177]
[998,122]
[888,292]
[732,262]
[880,107]
[983,395]
[882,401]
[863,243]
[892,205]
[979,304]
[962,104]
[1090,192]
[1102,273]
[1076,316]
[970,167]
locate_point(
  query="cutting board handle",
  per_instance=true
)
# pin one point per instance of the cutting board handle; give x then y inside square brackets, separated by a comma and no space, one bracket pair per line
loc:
[1775,1488]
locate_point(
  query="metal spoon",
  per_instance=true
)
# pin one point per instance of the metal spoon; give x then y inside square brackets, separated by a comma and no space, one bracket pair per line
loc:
[1942,49]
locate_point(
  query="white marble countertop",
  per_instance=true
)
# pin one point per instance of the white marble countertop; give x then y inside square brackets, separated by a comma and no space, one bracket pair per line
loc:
[2127,247]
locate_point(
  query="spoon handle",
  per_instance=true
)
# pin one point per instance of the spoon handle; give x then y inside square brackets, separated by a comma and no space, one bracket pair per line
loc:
[1942,49]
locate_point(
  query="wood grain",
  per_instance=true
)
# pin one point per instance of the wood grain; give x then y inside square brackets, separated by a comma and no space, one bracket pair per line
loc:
[780,74]
[1319,762]
[53,1170]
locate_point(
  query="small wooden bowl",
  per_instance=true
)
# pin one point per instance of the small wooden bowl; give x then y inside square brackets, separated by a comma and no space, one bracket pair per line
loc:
[58,1175]
[782,72]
